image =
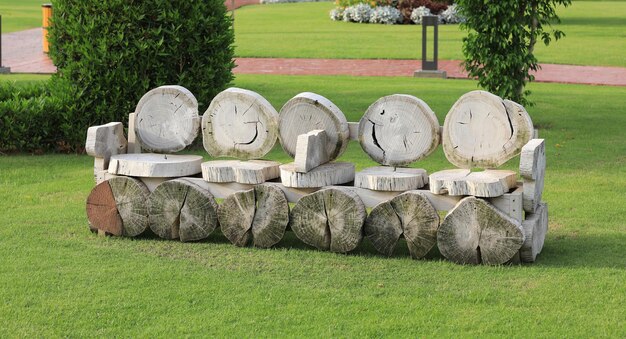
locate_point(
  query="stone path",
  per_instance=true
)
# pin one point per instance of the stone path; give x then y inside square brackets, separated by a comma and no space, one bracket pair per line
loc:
[21,51]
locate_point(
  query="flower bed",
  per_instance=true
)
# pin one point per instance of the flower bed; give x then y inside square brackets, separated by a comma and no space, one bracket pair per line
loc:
[392,12]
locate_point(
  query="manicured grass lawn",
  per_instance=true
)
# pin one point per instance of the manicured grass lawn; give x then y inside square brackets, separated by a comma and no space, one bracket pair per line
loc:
[19,15]
[595,35]
[58,279]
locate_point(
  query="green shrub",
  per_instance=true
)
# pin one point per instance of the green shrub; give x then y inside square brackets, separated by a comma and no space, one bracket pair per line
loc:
[110,52]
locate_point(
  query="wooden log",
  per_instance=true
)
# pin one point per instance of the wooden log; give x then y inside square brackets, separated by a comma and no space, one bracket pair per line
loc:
[410,214]
[102,211]
[482,130]
[99,168]
[155,165]
[475,232]
[130,199]
[329,219]
[311,151]
[332,173]
[244,172]
[307,112]
[258,216]
[133,145]
[385,178]
[239,123]
[182,209]
[487,184]
[166,119]
[104,141]
[532,167]
[535,229]
[398,129]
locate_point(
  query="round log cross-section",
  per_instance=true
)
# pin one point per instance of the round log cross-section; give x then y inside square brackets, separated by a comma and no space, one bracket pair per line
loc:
[239,123]
[398,129]
[307,112]
[259,216]
[118,206]
[410,214]
[329,219]
[166,119]
[482,130]
[475,232]
[182,209]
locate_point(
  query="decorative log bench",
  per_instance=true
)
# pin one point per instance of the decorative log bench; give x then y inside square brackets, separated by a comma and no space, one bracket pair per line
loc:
[492,218]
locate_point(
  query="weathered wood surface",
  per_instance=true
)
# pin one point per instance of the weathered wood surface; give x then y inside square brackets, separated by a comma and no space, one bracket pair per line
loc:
[244,172]
[475,232]
[105,140]
[332,173]
[532,167]
[166,119]
[311,151]
[535,228]
[259,216]
[102,211]
[133,145]
[329,219]
[487,184]
[155,165]
[130,200]
[398,129]
[386,178]
[307,112]
[410,214]
[482,130]
[239,123]
[182,209]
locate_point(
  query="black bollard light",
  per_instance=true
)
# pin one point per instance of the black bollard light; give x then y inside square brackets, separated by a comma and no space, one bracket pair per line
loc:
[429,67]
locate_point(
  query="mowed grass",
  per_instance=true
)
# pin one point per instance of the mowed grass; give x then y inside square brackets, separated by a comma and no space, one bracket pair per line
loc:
[595,35]
[58,279]
[19,15]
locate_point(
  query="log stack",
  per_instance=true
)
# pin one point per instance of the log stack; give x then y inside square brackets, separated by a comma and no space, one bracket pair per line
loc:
[491,218]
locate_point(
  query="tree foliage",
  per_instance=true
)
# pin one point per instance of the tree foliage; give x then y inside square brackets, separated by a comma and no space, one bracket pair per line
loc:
[501,40]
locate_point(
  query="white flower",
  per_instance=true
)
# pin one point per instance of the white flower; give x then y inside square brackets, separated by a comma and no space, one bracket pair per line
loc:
[385,15]
[418,13]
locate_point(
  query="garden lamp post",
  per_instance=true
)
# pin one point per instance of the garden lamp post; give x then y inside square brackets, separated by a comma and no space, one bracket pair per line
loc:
[429,67]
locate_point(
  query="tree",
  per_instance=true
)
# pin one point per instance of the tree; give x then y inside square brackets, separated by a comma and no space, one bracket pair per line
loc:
[499,48]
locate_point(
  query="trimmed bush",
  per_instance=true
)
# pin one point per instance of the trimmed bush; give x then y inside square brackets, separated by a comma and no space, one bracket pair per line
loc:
[110,52]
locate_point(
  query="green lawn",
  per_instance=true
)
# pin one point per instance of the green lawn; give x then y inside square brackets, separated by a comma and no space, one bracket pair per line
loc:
[58,279]
[18,15]
[595,35]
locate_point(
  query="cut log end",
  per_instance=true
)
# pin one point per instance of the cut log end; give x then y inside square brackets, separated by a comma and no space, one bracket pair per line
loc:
[329,219]
[130,197]
[535,229]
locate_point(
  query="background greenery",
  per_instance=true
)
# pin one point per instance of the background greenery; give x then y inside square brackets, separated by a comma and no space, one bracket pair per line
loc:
[58,279]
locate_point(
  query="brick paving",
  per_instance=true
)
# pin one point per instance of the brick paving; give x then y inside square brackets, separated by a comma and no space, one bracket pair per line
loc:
[22,52]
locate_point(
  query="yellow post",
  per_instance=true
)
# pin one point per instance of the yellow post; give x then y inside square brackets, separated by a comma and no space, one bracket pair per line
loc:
[46,11]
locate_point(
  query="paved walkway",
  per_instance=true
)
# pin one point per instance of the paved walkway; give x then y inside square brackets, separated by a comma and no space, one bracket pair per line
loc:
[22,53]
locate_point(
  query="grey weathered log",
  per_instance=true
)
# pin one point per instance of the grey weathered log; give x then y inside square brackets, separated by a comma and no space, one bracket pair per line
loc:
[259,216]
[239,123]
[307,112]
[166,119]
[410,214]
[487,183]
[105,140]
[398,129]
[130,199]
[332,173]
[329,219]
[482,130]
[102,211]
[155,165]
[182,209]
[133,144]
[311,151]
[386,178]
[475,232]
[532,168]
[535,229]
[244,172]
